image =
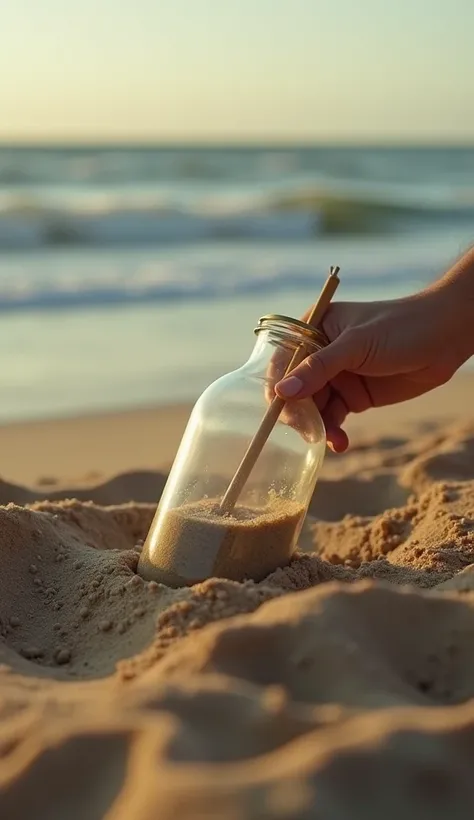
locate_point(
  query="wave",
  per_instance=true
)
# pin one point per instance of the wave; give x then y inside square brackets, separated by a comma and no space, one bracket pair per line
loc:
[285,215]
[371,212]
[169,283]
[128,227]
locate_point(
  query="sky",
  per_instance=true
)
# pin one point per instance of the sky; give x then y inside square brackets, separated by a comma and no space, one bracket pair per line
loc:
[239,70]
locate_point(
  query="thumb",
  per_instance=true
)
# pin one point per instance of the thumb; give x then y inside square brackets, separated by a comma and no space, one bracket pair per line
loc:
[318,369]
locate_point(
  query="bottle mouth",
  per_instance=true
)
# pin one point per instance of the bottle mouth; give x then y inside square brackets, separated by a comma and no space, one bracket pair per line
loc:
[285,325]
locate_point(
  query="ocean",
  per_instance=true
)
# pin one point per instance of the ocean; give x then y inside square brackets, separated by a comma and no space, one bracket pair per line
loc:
[134,276]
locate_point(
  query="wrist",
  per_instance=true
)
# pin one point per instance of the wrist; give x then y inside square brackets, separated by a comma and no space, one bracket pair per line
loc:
[454,293]
[460,278]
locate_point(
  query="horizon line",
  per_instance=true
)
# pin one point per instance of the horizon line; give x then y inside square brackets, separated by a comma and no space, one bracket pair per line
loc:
[242,143]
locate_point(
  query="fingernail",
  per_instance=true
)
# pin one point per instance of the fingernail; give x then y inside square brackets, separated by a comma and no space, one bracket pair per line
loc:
[290,387]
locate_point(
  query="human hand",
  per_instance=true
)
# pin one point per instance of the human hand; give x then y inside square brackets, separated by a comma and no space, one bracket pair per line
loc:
[384,352]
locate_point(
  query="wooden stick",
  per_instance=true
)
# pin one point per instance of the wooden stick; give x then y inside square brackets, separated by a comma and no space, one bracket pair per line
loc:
[271,416]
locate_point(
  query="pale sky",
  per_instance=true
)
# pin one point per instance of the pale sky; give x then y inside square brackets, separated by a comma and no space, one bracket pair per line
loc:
[237,70]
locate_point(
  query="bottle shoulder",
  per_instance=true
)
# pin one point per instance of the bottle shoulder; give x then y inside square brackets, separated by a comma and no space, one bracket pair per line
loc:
[240,393]
[233,380]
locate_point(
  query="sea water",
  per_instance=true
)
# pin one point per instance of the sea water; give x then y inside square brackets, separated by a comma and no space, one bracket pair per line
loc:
[133,276]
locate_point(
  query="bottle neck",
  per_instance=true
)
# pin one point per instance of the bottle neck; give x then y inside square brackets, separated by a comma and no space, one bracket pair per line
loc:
[273,352]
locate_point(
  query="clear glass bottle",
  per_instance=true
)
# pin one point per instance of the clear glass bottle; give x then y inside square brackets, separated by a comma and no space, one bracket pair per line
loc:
[190,539]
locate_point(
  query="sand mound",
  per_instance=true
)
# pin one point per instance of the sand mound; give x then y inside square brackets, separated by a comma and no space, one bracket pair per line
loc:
[338,687]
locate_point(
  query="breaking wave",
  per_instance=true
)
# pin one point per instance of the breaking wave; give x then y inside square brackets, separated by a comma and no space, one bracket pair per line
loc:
[285,215]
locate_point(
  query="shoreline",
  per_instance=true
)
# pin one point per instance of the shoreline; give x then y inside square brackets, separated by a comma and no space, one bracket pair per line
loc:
[84,449]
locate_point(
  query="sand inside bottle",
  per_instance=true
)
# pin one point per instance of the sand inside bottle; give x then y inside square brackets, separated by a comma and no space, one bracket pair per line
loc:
[195,541]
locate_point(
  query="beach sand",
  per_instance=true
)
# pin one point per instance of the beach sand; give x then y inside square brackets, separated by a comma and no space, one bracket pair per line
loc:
[340,687]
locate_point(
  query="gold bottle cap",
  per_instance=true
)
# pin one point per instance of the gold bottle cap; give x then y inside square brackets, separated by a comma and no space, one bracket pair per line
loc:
[313,334]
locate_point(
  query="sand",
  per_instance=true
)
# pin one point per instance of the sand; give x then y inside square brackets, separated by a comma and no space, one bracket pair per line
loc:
[339,687]
[195,542]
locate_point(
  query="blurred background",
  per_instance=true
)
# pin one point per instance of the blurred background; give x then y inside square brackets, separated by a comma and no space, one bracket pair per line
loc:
[171,171]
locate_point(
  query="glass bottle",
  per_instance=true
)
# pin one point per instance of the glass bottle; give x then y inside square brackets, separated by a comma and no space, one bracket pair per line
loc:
[190,539]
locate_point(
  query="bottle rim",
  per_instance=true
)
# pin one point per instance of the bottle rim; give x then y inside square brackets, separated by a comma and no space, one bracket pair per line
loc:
[279,322]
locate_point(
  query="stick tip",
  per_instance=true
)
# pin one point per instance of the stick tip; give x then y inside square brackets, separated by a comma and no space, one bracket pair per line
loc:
[334,270]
